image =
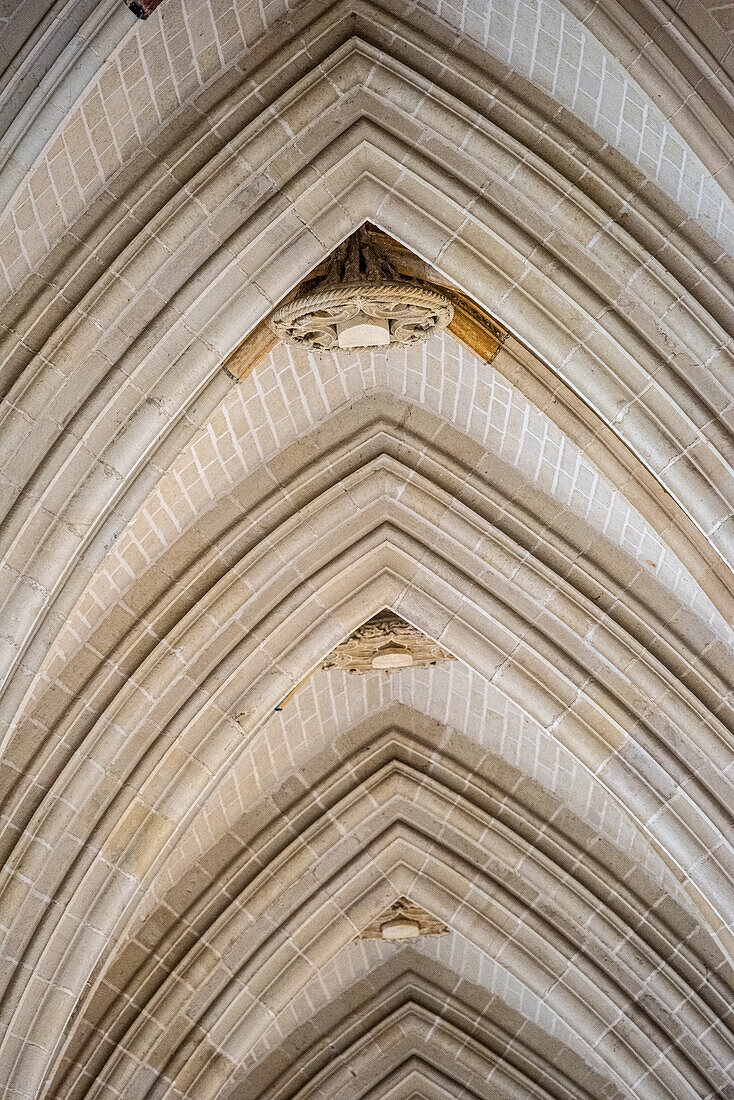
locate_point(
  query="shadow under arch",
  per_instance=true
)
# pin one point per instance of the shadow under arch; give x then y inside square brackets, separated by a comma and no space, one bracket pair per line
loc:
[443,1056]
[427,982]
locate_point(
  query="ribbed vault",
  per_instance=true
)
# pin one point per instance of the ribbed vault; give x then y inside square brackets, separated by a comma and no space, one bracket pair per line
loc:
[363,545]
[192,44]
[387,777]
[187,870]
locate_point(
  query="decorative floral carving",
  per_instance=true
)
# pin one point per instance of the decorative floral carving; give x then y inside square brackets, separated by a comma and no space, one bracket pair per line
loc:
[404,909]
[390,640]
[359,280]
[142,8]
[413,312]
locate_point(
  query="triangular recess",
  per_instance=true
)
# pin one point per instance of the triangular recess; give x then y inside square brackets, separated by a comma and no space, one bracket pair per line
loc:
[471,324]
[386,642]
[403,912]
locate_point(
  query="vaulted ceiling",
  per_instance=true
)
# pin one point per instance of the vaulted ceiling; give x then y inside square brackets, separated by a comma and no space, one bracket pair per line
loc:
[198,820]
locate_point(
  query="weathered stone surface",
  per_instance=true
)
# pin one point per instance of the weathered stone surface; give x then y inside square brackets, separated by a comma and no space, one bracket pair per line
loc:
[403,910]
[387,642]
[198,523]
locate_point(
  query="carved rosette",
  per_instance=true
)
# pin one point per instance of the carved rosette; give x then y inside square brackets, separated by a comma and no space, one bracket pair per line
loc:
[413,312]
[404,909]
[359,282]
[385,642]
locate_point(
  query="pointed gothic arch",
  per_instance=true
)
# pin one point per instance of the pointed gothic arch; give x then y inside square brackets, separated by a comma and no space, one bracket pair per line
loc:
[126,704]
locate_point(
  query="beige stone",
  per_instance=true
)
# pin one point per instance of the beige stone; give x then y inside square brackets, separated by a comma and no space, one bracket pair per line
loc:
[205,819]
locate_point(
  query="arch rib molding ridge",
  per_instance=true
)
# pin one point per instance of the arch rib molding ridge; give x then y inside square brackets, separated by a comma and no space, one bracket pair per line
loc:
[580,362]
[420,569]
[403,808]
[149,431]
[199,818]
[470,35]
